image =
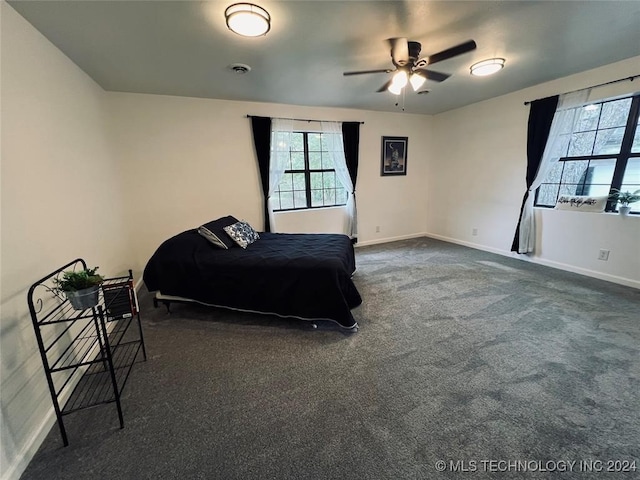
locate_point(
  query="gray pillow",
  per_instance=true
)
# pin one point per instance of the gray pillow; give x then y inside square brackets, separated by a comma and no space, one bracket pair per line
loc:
[214,232]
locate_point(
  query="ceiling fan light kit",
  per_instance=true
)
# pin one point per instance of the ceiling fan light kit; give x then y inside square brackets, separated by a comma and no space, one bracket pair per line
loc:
[247,19]
[416,81]
[398,82]
[487,67]
[410,68]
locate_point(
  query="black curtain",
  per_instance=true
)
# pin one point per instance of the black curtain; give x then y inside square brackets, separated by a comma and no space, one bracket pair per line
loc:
[540,119]
[351,144]
[261,127]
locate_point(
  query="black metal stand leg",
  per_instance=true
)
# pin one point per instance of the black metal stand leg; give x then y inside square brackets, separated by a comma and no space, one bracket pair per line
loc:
[144,349]
[63,431]
[120,417]
[166,303]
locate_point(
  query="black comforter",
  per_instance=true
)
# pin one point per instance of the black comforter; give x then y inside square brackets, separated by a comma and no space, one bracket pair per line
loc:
[300,275]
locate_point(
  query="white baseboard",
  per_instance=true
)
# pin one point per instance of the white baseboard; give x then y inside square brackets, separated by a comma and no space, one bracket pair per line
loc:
[389,239]
[541,261]
[17,468]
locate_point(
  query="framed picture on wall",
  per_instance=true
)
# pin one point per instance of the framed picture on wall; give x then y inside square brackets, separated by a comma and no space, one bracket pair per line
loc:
[394,156]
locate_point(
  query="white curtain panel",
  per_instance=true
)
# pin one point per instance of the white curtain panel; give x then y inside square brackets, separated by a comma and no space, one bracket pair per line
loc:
[332,132]
[279,160]
[568,113]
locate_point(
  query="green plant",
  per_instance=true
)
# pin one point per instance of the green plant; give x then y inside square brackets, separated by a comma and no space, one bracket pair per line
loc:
[72,281]
[625,198]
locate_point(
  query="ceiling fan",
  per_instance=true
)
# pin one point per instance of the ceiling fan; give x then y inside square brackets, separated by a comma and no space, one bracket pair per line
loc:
[410,68]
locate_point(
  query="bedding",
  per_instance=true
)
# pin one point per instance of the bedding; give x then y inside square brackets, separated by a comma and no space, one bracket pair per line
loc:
[306,276]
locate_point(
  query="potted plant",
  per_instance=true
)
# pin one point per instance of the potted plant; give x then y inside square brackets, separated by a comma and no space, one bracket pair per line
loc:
[624,199]
[81,287]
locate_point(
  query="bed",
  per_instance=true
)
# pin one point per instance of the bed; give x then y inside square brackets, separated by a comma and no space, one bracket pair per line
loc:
[305,276]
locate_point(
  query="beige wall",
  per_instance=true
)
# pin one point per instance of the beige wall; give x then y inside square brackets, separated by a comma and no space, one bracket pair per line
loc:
[61,198]
[477,180]
[186,161]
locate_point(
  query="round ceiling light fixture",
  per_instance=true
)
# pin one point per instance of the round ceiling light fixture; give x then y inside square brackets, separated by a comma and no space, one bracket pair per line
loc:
[247,19]
[487,67]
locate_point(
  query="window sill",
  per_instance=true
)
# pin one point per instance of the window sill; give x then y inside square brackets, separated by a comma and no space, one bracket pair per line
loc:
[617,214]
[314,209]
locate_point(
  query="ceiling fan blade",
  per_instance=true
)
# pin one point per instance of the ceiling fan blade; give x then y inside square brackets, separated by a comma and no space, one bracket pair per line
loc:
[399,51]
[432,75]
[385,86]
[451,52]
[361,72]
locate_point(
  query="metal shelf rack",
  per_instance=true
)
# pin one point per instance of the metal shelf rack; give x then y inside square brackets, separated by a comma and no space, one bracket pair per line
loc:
[87,355]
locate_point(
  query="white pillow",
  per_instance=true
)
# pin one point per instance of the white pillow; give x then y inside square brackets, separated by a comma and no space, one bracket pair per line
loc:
[581,203]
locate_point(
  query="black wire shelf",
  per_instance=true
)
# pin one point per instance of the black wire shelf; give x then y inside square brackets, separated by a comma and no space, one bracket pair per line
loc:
[87,355]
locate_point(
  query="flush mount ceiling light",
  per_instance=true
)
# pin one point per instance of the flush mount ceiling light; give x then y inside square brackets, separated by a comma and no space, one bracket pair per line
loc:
[487,67]
[247,19]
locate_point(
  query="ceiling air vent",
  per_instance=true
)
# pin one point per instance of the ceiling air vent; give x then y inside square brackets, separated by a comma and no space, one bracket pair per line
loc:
[239,68]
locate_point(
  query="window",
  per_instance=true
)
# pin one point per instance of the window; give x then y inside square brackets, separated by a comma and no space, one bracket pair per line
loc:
[309,180]
[603,153]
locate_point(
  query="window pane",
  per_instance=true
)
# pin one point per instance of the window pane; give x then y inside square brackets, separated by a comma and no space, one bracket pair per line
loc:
[297,161]
[547,195]
[329,179]
[608,141]
[314,142]
[315,160]
[286,184]
[589,117]
[600,176]
[327,160]
[573,175]
[317,198]
[567,190]
[300,199]
[283,158]
[316,180]
[341,196]
[297,142]
[636,140]
[588,178]
[286,200]
[554,174]
[581,144]
[615,114]
[298,181]
[330,197]
[276,201]
[631,180]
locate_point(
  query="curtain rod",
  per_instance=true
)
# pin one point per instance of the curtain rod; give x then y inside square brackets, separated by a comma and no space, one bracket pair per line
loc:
[300,119]
[596,86]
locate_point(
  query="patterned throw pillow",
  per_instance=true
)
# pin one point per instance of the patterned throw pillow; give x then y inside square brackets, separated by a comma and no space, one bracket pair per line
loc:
[242,233]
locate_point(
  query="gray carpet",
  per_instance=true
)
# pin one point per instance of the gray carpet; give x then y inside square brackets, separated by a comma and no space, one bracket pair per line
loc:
[462,356]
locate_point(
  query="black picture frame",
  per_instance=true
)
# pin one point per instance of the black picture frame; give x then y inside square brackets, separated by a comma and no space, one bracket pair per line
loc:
[394,156]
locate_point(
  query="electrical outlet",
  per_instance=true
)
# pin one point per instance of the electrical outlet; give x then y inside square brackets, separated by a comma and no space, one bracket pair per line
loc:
[474,232]
[603,254]
[377,228]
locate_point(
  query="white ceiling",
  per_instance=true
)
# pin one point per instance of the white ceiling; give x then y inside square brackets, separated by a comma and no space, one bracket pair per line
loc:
[184,47]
